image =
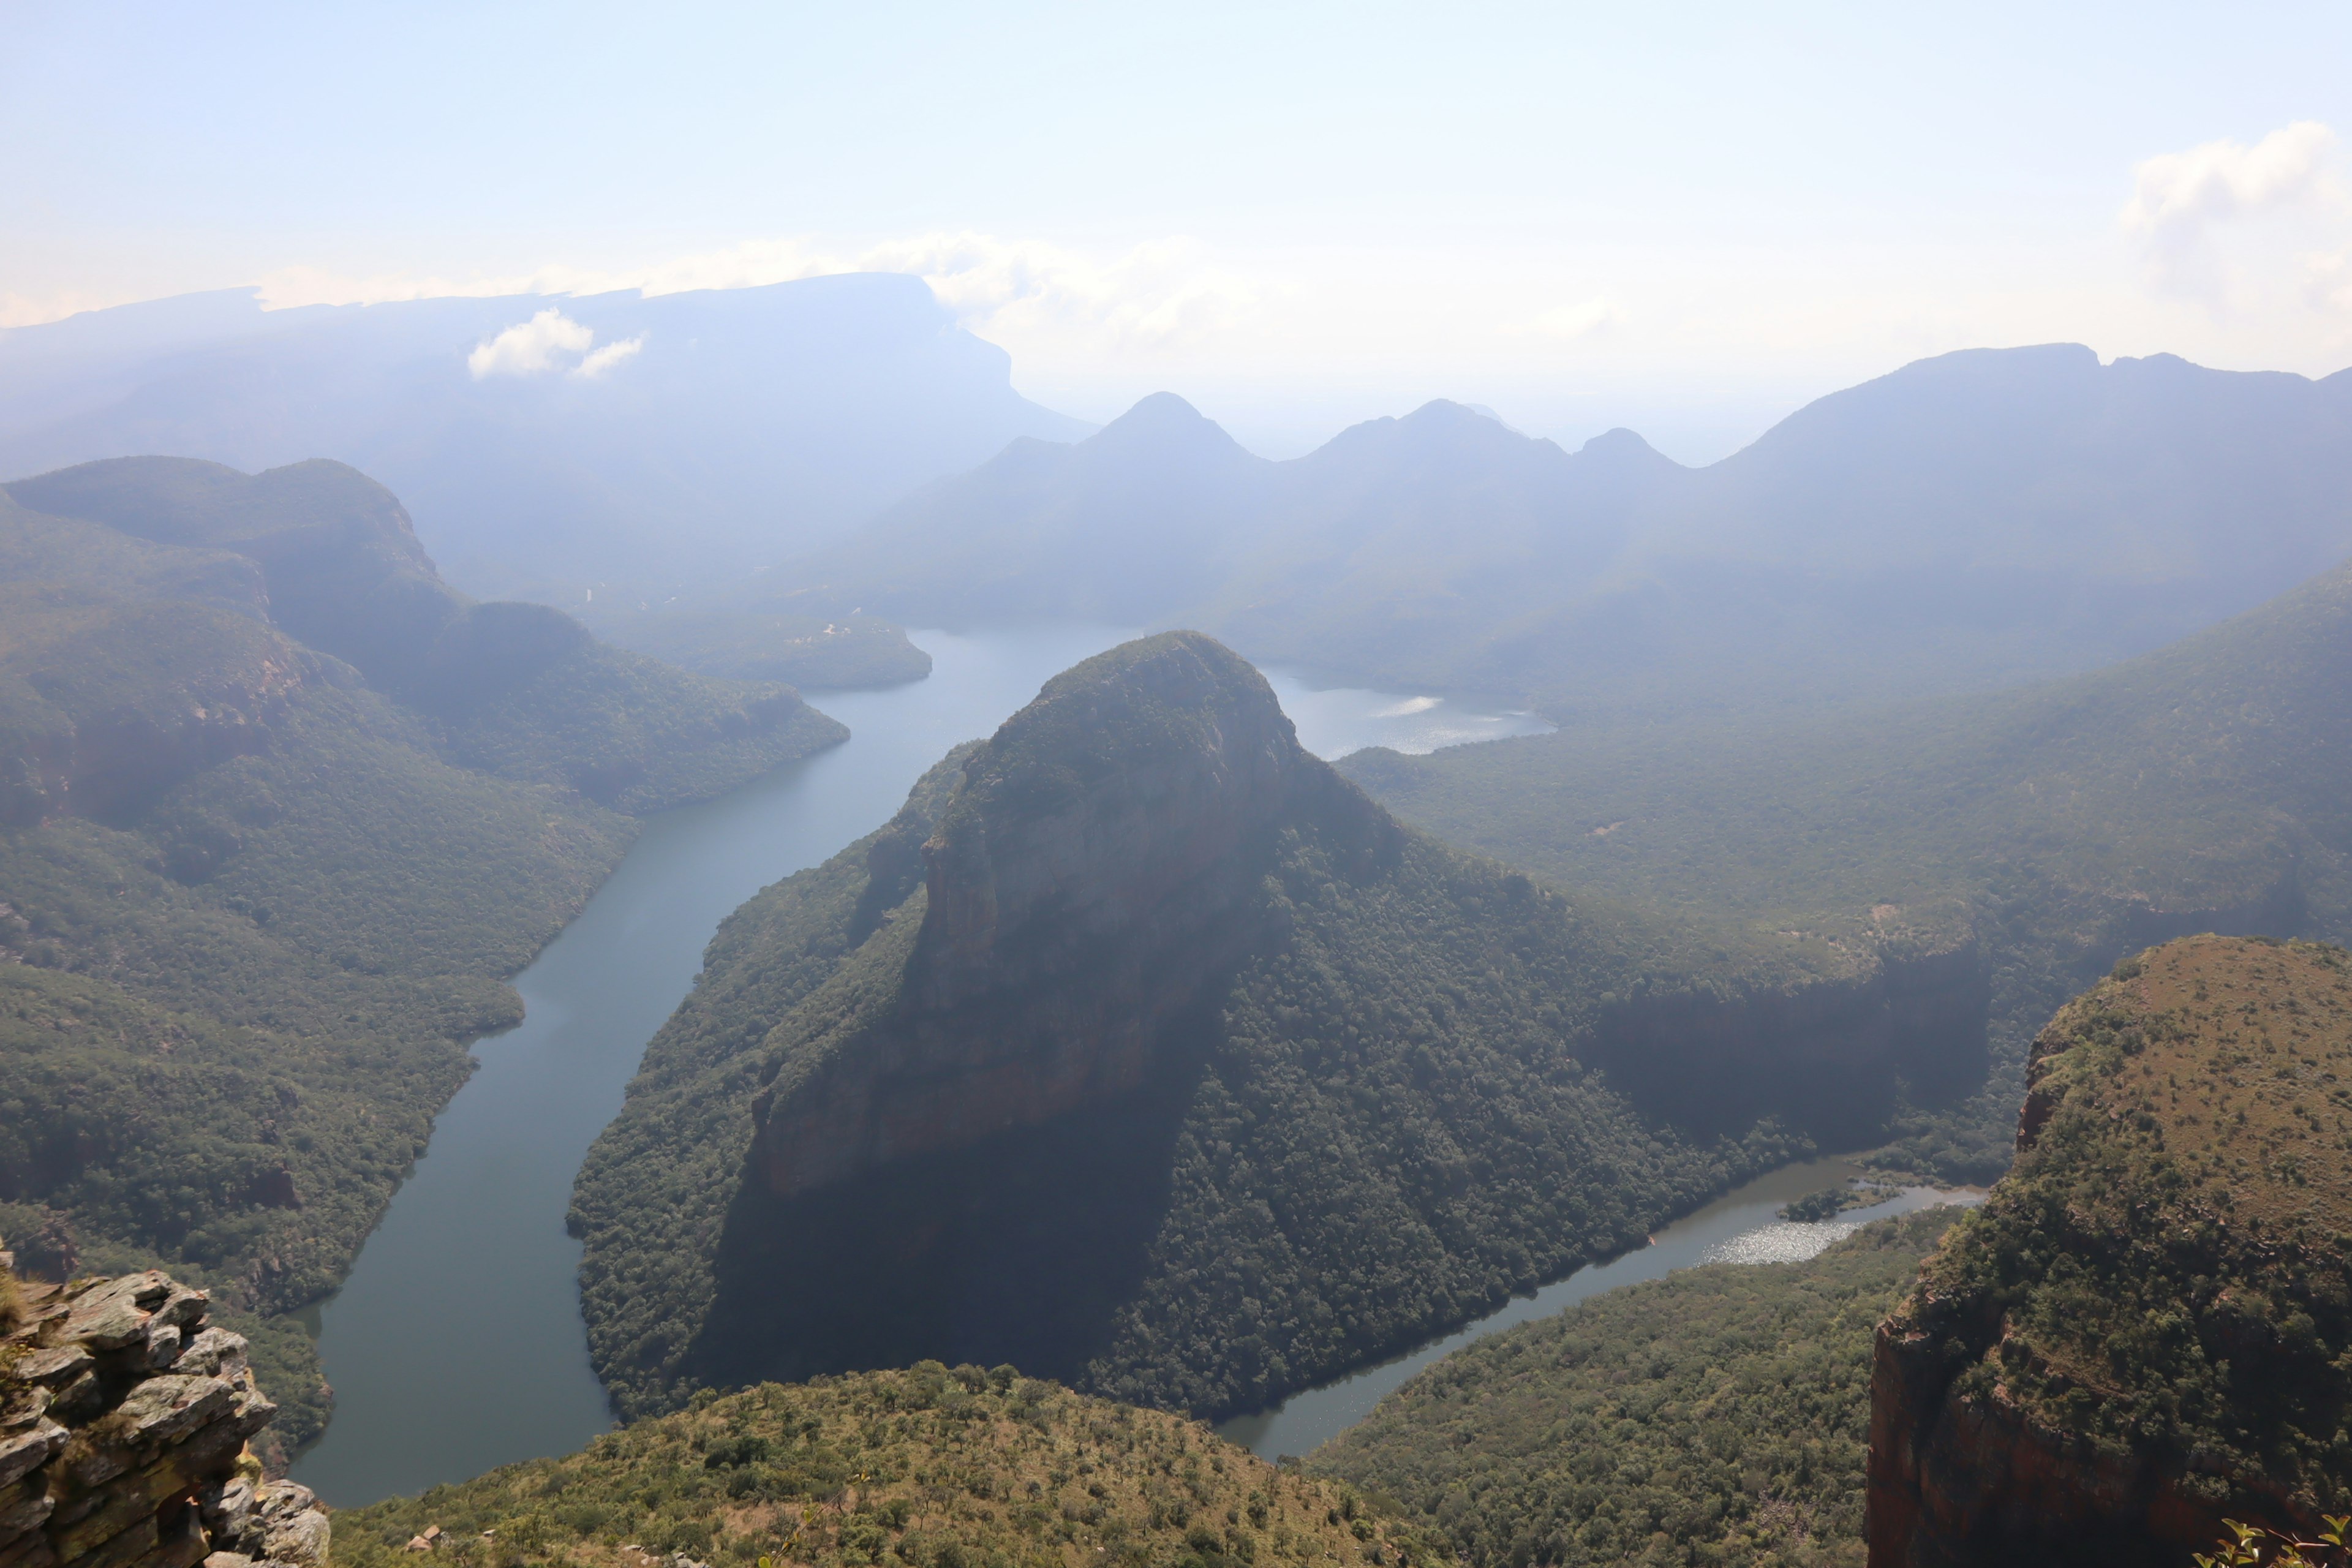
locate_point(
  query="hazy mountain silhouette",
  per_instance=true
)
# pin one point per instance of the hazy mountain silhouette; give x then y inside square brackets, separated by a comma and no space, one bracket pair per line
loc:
[1969,519]
[749,424]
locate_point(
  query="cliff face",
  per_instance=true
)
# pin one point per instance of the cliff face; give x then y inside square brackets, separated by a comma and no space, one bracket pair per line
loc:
[2146,1329]
[1100,865]
[124,1418]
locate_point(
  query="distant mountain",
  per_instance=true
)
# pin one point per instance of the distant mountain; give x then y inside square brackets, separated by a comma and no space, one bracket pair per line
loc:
[1967,520]
[744,425]
[1168,1063]
[281,813]
[2200,787]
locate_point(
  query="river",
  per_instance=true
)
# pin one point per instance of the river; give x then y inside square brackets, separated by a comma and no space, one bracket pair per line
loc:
[455,1345]
[1744,1225]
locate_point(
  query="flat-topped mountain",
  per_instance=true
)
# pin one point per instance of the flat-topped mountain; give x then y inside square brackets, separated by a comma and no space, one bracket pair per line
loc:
[722,429]
[1143,1051]
[2147,1328]
[1965,521]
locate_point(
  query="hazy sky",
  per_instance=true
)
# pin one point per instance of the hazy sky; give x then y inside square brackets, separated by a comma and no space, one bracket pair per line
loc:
[1686,218]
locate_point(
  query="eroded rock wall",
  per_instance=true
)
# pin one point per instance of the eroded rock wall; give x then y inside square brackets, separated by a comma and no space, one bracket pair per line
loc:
[124,1417]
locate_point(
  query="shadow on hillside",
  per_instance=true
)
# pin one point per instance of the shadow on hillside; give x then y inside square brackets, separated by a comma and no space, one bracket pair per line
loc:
[1021,1248]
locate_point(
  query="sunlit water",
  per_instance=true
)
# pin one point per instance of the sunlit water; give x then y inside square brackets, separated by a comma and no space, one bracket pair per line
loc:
[457,1344]
[1333,721]
[1742,1226]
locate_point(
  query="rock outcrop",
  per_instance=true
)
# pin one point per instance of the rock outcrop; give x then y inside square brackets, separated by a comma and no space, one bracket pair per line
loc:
[1099,864]
[124,1417]
[2147,1329]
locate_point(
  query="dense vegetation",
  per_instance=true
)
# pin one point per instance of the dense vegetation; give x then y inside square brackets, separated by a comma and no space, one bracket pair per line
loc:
[254,902]
[1719,1415]
[928,1466]
[2196,788]
[2167,1272]
[1382,1120]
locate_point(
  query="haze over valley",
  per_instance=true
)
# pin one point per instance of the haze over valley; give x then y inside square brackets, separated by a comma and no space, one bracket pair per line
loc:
[1427,789]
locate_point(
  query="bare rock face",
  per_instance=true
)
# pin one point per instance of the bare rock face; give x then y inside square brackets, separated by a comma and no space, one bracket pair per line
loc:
[124,1418]
[2147,1332]
[1101,861]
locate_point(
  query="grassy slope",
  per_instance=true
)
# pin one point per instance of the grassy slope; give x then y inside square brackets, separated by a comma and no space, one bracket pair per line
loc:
[241,971]
[1719,1415]
[2169,1268]
[1388,1130]
[2197,786]
[932,1468]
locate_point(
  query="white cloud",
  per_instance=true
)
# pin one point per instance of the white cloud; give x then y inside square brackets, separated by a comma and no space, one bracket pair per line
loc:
[1584,318]
[530,347]
[610,354]
[1163,292]
[2180,199]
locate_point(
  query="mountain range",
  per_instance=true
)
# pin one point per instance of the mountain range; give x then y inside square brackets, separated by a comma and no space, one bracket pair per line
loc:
[1965,521]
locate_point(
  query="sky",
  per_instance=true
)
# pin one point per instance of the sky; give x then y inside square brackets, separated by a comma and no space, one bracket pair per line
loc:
[1686,218]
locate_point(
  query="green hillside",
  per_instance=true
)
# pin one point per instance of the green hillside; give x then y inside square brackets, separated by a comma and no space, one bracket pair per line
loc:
[933,1466]
[255,900]
[1719,1415]
[1187,1075]
[2200,787]
[2148,1325]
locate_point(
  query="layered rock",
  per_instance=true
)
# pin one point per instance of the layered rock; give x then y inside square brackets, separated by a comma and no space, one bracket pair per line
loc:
[2147,1331]
[124,1420]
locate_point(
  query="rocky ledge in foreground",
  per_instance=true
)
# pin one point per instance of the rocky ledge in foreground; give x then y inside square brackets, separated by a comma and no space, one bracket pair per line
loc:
[124,1418]
[2147,1328]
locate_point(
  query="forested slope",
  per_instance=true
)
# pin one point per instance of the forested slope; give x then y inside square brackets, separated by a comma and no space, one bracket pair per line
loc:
[925,1466]
[1173,1067]
[2200,787]
[2147,1332]
[255,896]
[1721,1414]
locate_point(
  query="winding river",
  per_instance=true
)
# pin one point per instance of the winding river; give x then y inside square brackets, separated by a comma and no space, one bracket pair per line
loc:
[457,1344]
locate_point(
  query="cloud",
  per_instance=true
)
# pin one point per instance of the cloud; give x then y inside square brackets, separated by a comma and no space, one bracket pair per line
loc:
[610,354]
[545,344]
[1165,293]
[2180,199]
[1585,319]
[530,347]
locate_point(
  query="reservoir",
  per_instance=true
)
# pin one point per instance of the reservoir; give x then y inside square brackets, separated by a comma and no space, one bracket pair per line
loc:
[456,1345]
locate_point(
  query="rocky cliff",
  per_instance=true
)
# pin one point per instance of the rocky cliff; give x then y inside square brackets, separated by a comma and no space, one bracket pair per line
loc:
[2147,1329]
[124,1420]
[1142,1050]
[1098,865]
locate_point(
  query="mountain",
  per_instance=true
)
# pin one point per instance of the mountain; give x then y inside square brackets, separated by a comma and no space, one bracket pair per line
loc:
[2147,1332]
[1721,1414]
[280,813]
[1173,1067]
[2200,787]
[925,1466]
[744,425]
[1966,522]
